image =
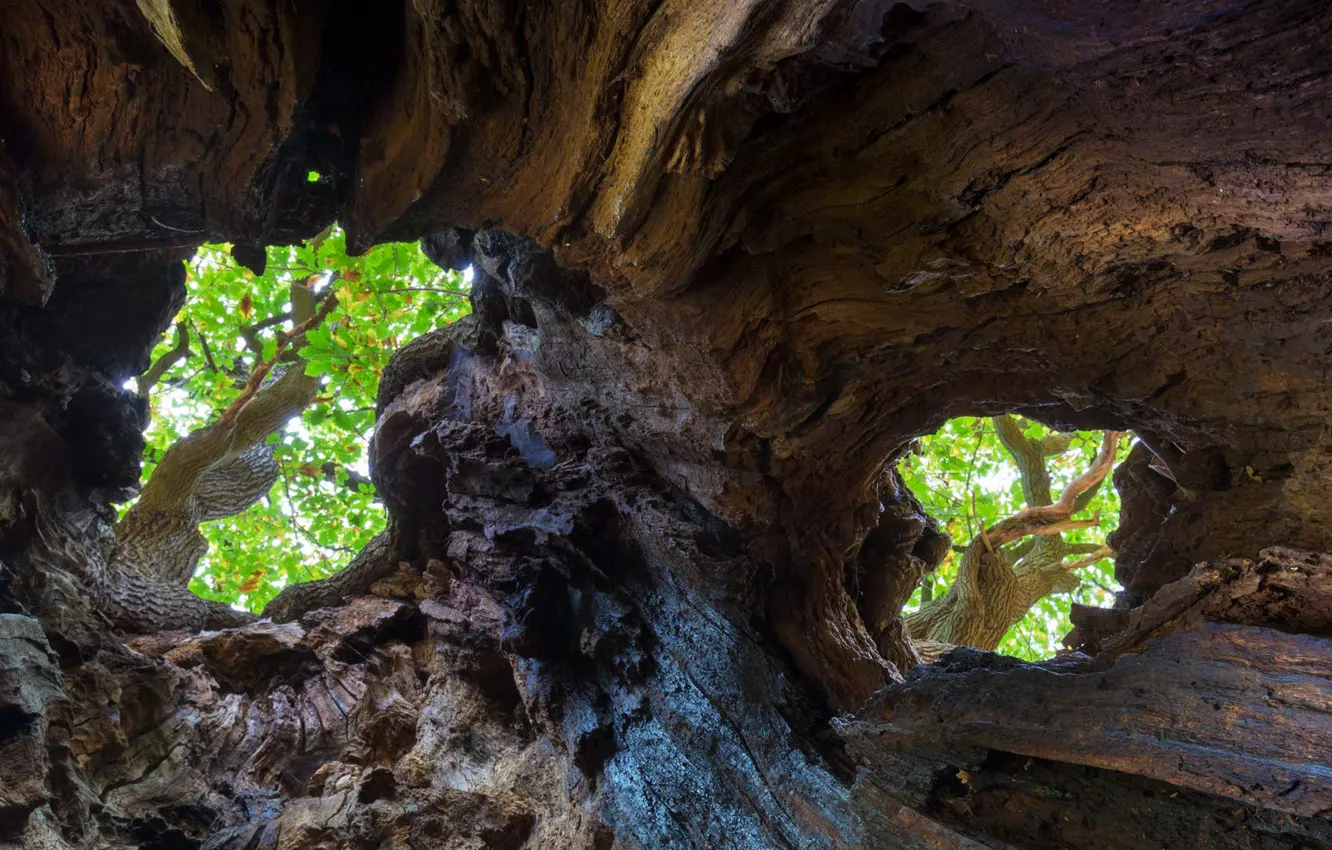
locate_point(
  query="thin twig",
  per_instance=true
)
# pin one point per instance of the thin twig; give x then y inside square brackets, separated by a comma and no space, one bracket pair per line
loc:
[291,507]
[250,333]
[228,417]
[453,292]
[356,482]
[208,352]
[1088,560]
[269,322]
[971,469]
[985,537]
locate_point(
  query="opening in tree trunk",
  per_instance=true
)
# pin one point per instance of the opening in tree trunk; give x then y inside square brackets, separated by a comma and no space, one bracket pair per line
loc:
[642,578]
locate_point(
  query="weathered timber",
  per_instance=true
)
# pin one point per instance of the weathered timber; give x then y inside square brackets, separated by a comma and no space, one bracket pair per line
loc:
[731,257]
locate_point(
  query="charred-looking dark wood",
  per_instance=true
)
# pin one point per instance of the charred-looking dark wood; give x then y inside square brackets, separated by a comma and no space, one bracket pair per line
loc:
[25,272]
[988,759]
[730,258]
[904,545]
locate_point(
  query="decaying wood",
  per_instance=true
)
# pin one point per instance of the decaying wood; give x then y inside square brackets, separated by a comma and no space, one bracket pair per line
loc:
[730,258]
[1247,716]
[25,272]
[1283,588]
[1188,694]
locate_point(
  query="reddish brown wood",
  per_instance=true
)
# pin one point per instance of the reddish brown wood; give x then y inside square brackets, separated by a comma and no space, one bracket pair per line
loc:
[730,258]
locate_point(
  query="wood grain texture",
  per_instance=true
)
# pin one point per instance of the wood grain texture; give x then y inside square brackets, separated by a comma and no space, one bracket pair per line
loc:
[1232,711]
[730,258]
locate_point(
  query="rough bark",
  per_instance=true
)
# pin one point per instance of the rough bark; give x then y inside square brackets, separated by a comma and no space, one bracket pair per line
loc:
[215,471]
[1219,685]
[732,257]
[904,544]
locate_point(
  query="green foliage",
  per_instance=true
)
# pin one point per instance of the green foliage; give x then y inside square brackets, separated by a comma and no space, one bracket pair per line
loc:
[965,479]
[322,509]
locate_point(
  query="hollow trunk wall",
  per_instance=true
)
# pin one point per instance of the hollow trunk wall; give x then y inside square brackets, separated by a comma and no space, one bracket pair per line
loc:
[731,258]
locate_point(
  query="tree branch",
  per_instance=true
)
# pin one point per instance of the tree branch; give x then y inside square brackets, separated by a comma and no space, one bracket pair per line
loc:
[370,564]
[1029,455]
[1056,444]
[452,292]
[180,351]
[252,387]
[355,480]
[1032,520]
[989,594]
[1085,548]
[207,352]
[1088,560]
[1064,525]
[159,535]
[250,333]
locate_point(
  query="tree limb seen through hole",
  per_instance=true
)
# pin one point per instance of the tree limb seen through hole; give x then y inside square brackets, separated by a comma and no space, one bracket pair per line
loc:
[996,586]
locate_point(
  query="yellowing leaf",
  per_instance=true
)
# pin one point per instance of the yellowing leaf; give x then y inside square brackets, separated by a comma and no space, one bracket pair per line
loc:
[251,583]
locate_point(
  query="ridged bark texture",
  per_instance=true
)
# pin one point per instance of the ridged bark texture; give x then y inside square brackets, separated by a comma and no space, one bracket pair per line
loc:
[730,258]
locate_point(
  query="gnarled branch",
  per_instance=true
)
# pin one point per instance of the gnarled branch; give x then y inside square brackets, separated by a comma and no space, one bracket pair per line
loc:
[995,587]
[218,470]
[180,351]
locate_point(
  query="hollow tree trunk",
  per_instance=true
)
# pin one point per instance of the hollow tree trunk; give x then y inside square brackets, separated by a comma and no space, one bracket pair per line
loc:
[730,258]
